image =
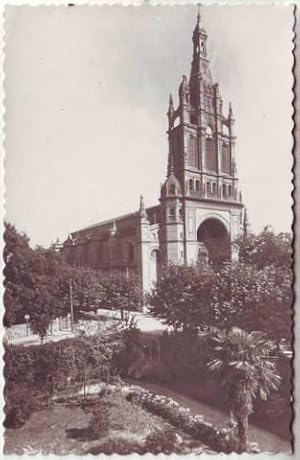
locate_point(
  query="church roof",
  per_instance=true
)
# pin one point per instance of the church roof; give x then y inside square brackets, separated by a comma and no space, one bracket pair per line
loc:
[112,221]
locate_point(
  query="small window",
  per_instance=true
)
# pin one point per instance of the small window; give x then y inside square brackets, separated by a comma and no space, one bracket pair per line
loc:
[225,130]
[229,190]
[172,189]
[172,212]
[197,186]
[209,132]
[208,187]
[213,187]
[224,190]
[191,185]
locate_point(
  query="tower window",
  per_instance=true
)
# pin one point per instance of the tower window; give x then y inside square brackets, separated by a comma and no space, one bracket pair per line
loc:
[192,151]
[211,160]
[208,187]
[172,189]
[225,158]
[172,213]
[225,130]
[229,190]
[224,190]
[191,185]
[197,186]
[213,188]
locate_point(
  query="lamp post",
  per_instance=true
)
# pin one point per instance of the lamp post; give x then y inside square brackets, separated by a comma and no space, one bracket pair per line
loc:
[27,318]
[71,304]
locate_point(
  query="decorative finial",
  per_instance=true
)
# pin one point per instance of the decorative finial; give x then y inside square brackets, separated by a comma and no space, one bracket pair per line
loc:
[170,100]
[113,230]
[198,15]
[142,211]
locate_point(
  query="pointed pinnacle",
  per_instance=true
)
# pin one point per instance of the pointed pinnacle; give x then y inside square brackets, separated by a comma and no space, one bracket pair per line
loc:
[198,15]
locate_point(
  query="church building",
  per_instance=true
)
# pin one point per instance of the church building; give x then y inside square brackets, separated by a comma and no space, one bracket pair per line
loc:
[200,210]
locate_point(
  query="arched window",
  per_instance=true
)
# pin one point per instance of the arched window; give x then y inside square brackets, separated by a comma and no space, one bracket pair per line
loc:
[211,161]
[191,185]
[176,122]
[192,151]
[225,130]
[172,213]
[197,186]
[229,190]
[224,190]
[208,187]
[213,188]
[225,158]
[172,189]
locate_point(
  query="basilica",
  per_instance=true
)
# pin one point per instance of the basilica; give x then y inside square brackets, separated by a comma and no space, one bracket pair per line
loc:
[200,210]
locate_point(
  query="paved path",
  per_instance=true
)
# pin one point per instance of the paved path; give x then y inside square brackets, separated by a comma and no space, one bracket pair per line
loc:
[267,442]
[17,334]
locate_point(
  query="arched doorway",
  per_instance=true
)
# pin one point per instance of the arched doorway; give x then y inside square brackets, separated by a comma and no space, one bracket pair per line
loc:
[154,265]
[213,233]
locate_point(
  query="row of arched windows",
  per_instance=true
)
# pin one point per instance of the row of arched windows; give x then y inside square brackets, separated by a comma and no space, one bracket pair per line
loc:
[211,188]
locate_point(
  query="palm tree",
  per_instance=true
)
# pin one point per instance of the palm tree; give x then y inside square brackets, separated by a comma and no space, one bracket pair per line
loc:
[245,362]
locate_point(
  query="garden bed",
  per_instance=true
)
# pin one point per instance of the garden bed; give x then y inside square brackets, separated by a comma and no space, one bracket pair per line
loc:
[122,427]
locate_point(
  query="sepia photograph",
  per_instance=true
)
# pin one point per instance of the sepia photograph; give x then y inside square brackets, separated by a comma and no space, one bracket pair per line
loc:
[148,229]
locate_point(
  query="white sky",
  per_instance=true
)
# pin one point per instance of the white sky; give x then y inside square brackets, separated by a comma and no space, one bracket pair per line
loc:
[86,100]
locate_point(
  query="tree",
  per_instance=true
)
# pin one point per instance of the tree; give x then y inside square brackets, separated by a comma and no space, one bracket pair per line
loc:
[248,371]
[253,299]
[42,311]
[266,249]
[234,294]
[121,291]
[18,281]
[181,297]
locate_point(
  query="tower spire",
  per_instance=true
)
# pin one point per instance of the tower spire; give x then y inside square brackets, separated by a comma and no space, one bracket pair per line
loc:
[142,211]
[198,14]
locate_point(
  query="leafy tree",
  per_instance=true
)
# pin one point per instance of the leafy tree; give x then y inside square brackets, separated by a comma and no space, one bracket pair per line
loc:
[42,311]
[121,291]
[245,362]
[18,281]
[266,249]
[234,294]
[181,297]
[253,299]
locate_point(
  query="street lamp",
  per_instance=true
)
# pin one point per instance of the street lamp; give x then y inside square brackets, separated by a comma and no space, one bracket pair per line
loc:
[71,304]
[27,318]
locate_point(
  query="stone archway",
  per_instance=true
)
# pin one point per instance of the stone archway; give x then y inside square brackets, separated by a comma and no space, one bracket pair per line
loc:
[214,235]
[154,266]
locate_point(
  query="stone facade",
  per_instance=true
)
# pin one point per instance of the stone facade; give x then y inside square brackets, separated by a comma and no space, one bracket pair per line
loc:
[200,211]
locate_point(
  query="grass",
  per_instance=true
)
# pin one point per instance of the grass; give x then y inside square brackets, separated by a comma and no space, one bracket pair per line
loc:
[66,429]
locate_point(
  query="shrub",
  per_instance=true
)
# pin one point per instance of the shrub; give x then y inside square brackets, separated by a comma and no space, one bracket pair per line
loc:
[161,441]
[99,423]
[21,402]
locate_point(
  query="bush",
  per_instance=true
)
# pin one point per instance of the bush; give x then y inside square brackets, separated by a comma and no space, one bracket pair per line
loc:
[181,417]
[99,423]
[21,402]
[161,441]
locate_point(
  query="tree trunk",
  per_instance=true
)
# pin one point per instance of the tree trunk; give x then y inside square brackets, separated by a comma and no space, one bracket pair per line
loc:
[242,425]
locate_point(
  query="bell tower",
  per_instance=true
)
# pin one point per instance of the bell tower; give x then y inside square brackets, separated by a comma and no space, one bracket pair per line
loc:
[201,157]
